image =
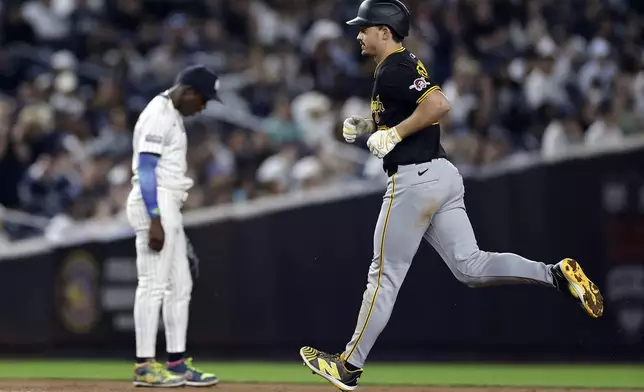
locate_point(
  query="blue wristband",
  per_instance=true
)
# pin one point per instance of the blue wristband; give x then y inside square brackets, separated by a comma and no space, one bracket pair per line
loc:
[148,182]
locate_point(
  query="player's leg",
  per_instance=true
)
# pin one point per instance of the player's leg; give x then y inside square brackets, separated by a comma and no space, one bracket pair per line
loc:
[152,282]
[394,248]
[451,234]
[176,306]
[153,270]
[176,302]
[400,228]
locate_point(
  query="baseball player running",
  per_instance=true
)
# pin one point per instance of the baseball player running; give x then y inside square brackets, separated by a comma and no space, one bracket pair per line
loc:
[424,197]
[153,209]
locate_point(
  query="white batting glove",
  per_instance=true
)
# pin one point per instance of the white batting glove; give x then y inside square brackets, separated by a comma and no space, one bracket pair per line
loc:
[382,142]
[355,126]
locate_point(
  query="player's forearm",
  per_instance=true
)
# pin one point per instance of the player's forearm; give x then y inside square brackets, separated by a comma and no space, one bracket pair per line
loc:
[148,182]
[430,111]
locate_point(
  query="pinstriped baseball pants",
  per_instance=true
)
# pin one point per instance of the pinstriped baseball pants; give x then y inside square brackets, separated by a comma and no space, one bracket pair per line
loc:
[163,277]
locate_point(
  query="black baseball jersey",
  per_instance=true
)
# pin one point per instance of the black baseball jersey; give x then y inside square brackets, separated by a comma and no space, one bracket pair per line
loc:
[401,84]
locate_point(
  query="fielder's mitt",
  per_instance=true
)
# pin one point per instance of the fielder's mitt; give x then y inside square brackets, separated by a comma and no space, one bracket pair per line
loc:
[193,260]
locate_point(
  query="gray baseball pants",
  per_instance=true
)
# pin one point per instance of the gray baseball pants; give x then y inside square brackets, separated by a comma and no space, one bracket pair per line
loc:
[425,201]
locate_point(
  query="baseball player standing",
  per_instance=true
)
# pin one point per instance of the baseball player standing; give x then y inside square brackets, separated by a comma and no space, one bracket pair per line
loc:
[153,209]
[424,197]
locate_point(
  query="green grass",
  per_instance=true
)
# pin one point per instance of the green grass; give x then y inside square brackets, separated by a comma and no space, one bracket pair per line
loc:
[585,376]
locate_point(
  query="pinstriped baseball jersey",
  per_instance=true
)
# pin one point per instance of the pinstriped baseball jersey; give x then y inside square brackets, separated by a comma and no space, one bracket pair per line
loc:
[160,130]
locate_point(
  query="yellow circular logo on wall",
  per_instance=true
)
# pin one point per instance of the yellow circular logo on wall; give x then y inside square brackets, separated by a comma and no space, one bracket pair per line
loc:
[77,292]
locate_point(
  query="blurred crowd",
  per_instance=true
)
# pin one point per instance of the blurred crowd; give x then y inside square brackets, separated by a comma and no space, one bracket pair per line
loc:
[522,76]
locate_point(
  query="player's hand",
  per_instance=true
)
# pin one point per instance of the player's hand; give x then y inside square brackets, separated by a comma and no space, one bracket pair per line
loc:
[355,126]
[382,142]
[156,235]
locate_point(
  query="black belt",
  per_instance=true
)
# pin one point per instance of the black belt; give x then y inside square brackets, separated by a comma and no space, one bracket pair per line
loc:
[392,169]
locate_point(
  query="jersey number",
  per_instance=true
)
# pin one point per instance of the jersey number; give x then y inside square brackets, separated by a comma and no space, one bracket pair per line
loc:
[420,68]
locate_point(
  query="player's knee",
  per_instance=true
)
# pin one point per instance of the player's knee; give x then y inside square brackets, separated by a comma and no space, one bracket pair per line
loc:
[158,290]
[465,260]
[184,292]
[468,268]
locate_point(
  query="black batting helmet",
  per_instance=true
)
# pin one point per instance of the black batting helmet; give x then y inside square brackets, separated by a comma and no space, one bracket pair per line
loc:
[392,13]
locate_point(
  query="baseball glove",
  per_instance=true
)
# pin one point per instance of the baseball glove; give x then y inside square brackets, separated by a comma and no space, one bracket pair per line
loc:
[193,260]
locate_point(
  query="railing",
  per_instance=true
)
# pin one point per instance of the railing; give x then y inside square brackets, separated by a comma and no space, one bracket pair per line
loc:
[23,218]
[65,233]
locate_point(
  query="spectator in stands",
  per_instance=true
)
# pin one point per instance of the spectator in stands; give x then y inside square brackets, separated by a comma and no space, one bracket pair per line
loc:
[462,91]
[50,26]
[600,70]
[114,139]
[274,174]
[605,131]
[118,179]
[522,77]
[562,134]
[315,116]
[280,126]
[50,185]
[543,85]
[307,173]
[15,29]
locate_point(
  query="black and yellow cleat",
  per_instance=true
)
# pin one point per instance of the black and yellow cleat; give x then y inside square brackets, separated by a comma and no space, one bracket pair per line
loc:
[569,277]
[331,367]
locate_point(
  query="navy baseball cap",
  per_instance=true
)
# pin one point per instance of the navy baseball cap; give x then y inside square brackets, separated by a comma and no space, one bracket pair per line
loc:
[202,80]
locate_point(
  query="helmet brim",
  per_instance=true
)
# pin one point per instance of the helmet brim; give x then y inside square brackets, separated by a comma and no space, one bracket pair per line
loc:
[358,21]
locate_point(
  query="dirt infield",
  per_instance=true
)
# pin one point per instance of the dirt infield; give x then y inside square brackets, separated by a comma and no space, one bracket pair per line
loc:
[99,386]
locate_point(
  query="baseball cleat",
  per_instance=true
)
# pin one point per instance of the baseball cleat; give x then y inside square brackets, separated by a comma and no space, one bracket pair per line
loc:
[331,368]
[192,376]
[154,374]
[569,275]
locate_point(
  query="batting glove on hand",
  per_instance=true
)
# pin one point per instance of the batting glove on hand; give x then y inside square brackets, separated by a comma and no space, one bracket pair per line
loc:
[382,142]
[355,126]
